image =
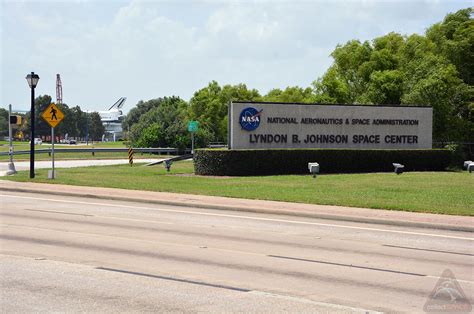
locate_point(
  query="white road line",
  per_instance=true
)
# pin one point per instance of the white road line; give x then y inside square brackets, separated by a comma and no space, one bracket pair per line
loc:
[334,307]
[241,217]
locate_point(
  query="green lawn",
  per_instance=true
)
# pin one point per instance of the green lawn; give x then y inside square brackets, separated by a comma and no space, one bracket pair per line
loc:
[433,192]
[25,146]
[17,146]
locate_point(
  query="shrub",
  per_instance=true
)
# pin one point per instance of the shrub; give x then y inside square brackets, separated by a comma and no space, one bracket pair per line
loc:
[457,155]
[222,162]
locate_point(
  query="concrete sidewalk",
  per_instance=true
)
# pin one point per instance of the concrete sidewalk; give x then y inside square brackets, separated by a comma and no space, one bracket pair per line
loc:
[376,216]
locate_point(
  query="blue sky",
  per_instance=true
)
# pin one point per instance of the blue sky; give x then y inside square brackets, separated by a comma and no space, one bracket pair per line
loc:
[141,50]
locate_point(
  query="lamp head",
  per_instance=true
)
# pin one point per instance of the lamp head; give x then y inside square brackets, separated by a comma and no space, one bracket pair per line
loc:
[32,79]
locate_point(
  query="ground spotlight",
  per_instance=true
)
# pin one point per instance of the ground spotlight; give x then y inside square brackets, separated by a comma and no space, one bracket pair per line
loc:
[313,168]
[470,167]
[168,164]
[399,168]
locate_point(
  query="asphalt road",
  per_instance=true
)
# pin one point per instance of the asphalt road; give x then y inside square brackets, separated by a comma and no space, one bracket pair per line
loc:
[82,254]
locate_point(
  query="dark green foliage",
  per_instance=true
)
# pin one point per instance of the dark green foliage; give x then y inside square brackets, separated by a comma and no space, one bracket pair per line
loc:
[42,128]
[433,70]
[3,122]
[164,125]
[454,39]
[209,107]
[295,161]
[141,108]
[96,128]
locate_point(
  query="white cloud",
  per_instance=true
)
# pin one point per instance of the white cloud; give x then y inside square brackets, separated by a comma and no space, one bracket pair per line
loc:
[148,49]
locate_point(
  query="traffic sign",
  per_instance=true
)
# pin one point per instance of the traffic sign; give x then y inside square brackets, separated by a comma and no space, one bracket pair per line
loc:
[52,115]
[193,126]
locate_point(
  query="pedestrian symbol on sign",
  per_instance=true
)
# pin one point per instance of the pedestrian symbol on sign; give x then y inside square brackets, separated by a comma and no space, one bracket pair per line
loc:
[52,115]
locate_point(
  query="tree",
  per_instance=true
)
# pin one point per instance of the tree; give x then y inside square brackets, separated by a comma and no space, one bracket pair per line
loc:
[3,122]
[67,125]
[210,105]
[96,128]
[136,112]
[433,70]
[454,39]
[162,126]
[42,128]
[290,94]
[332,88]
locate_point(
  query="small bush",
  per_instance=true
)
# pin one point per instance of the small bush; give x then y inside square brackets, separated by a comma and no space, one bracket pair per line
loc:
[221,162]
[457,155]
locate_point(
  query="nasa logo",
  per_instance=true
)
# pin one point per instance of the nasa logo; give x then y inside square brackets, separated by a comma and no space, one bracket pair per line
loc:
[250,118]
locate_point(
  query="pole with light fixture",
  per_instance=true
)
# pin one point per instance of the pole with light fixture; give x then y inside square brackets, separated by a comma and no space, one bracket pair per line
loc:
[32,82]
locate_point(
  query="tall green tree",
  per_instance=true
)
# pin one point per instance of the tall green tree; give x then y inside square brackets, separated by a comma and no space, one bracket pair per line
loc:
[290,94]
[433,70]
[3,122]
[454,39]
[42,128]
[136,112]
[67,124]
[164,125]
[209,106]
[79,120]
[96,128]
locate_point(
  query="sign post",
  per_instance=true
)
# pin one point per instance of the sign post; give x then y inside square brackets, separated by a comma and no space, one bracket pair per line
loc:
[130,155]
[193,127]
[53,116]
[11,165]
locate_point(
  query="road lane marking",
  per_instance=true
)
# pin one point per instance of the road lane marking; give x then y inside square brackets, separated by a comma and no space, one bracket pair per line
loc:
[335,307]
[87,215]
[242,217]
[57,212]
[194,282]
[347,265]
[427,250]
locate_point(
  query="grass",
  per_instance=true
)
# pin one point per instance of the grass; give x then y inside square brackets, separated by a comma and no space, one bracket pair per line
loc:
[20,146]
[26,146]
[430,192]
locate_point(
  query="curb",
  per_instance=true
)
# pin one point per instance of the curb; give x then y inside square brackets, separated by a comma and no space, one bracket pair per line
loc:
[400,223]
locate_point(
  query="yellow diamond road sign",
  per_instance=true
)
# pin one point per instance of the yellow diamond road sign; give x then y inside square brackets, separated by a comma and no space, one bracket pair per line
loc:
[52,115]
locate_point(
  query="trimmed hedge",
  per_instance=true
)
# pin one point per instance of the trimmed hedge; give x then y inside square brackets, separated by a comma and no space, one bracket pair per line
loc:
[221,162]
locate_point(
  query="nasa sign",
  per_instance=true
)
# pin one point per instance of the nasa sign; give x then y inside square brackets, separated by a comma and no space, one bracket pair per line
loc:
[250,118]
[259,125]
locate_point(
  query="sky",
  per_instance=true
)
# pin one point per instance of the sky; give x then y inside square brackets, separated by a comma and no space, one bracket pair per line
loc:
[107,49]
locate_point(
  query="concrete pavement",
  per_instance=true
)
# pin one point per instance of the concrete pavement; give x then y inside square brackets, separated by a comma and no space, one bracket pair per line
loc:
[364,215]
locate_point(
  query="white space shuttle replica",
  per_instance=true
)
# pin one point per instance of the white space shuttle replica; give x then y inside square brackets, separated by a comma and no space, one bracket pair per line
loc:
[112,120]
[114,114]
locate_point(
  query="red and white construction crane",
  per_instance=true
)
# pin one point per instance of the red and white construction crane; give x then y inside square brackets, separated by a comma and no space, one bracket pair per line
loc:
[59,90]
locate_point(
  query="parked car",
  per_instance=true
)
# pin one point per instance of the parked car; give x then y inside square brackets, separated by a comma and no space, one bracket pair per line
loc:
[72,142]
[37,141]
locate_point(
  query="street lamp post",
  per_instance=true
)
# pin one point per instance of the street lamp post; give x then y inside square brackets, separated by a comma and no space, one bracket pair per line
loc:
[32,82]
